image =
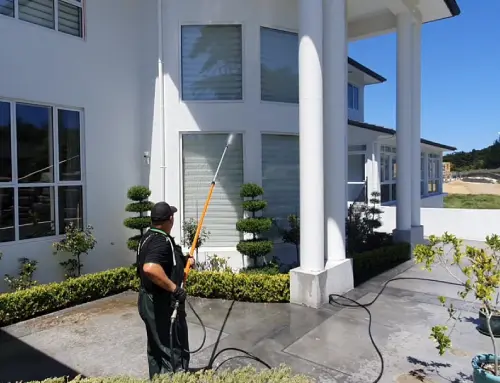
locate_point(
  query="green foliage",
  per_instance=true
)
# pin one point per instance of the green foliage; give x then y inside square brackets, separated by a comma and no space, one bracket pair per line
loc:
[213,263]
[270,269]
[371,263]
[256,247]
[480,269]
[472,201]
[24,280]
[361,222]
[76,242]
[487,158]
[140,205]
[282,374]
[189,228]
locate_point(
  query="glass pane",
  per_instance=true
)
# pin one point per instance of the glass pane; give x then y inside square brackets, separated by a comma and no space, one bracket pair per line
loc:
[70,19]
[70,207]
[7,232]
[355,94]
[35,152]
[5,143]
[432,188]
[36,212]
[212,62]
[385,193]
[350,102]
[394,196]
[279,65]
[394,167]
[40,12]
[422,188]
[69,145]
[355,167]
[7,7]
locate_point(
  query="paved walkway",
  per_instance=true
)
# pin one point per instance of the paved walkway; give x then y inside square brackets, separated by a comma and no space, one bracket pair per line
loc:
[331,344]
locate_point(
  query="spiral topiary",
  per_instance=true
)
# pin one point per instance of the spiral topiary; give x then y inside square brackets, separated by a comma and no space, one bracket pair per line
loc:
[139,195]
[257,246]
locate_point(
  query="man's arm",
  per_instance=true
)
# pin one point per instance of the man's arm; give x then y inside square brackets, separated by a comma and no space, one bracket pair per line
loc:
[158,252]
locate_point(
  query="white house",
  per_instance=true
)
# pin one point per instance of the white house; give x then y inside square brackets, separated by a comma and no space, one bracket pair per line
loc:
[84,114]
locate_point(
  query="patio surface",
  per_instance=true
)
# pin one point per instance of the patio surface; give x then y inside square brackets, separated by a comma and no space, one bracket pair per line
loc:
[107,337]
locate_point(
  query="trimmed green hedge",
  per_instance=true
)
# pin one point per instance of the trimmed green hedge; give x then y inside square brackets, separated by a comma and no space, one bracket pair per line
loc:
[244,375]
[369,264]
[247,287]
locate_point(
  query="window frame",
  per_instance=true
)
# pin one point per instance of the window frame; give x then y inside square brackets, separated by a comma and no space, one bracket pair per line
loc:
[434,162]
[241,24]
[56,183]
[353,98]
[357,150]
[391,152]
[80,4]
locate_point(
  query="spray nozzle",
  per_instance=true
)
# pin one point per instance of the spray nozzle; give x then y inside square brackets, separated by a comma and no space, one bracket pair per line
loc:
[230,139]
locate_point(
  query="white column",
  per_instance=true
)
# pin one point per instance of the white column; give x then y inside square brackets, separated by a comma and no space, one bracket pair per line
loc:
[404,121]
[312,230]
[416,117]
[335,120]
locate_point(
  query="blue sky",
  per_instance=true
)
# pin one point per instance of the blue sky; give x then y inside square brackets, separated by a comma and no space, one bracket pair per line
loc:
[460,77]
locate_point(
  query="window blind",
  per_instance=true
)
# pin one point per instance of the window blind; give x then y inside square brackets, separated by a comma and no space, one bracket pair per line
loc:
[200,156]
[211,62]
[279,63]
[70,19]
[7,8]
[40,12]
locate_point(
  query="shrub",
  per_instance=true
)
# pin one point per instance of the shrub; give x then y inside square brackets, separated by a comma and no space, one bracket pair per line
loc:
[257,246]
[243,375]
[189,228]
[213,263]
[371,263]
[25,280]
[75,242]
[139,195]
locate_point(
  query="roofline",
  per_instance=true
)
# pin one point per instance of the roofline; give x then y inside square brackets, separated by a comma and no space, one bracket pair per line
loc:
[392,132]
[365,70]
[453,7]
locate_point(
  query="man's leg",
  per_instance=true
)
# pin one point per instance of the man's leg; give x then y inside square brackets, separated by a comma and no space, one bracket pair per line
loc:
[153,354]
[183,333]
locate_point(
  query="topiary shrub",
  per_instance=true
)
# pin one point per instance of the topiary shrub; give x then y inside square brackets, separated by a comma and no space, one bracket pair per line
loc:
[139,195]
[256,247]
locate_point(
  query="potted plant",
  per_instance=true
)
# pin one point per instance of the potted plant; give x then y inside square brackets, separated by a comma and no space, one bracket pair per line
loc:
[480,271]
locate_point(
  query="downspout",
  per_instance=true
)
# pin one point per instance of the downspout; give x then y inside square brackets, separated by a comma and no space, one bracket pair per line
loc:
[161,85]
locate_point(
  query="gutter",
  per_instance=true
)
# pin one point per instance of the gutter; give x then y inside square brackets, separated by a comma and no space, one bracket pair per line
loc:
[161,85]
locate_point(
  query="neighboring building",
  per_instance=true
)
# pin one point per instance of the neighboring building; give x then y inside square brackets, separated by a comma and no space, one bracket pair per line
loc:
[446,171]
[80,90]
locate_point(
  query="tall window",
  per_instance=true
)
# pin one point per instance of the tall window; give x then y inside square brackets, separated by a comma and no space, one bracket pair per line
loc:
[200,157]
[353,97]
[388,173]
[422,174]
[40,171]
[280,177]
[356,177]
[65,16]
[279,66]
[434,174]
[211,64]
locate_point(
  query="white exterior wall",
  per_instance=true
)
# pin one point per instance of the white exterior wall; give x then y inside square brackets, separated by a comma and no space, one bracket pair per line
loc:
[98,74]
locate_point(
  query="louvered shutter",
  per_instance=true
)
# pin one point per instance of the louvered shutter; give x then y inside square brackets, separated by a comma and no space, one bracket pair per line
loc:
[40,12]
[200,156]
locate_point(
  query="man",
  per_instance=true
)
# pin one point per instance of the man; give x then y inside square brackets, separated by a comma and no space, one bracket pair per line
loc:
[160,266]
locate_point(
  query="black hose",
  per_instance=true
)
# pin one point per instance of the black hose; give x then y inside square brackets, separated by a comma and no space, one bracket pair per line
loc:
[365,306]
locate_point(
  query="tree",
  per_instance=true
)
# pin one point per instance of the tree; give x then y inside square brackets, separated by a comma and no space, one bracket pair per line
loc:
[257,246]
[139,195]
[189,228]
[292,233]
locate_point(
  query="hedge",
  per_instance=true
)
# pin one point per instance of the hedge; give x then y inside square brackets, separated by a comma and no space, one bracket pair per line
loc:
[244,375]
[369,264]
[252,287]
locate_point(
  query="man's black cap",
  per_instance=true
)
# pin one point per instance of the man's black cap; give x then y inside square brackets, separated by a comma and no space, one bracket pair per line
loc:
[162,212]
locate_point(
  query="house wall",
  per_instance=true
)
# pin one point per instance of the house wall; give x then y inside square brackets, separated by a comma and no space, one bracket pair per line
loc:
[98,74]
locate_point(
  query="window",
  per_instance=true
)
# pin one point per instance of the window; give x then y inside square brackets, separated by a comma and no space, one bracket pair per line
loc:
[434,174]
[388,173]
[40,171]
[280,178]
[356,177]
[422,174]
[211,62]
[279,66]
[65,16]
[352,97]
[200,156]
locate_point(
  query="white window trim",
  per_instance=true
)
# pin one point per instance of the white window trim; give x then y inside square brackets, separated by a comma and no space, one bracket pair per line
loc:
[432,160]
[203,249]
[392,180]
[55,157]
[81,5]
[243,54]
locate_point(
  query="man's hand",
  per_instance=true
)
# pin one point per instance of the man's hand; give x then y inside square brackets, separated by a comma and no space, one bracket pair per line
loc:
[191,262]
[179,294]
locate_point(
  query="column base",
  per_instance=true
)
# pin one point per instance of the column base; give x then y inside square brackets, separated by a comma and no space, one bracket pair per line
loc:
[414,236]
[312,289]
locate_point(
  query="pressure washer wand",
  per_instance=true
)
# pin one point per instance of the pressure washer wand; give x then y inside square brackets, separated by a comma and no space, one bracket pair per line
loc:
[200,223]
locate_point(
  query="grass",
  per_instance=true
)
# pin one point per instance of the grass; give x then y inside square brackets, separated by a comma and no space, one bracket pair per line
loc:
[472,201]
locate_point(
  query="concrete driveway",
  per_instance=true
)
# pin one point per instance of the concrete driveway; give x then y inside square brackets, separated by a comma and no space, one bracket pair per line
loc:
[331,344]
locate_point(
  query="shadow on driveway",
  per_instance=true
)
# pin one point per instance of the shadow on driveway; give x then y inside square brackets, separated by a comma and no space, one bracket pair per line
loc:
[22,362]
